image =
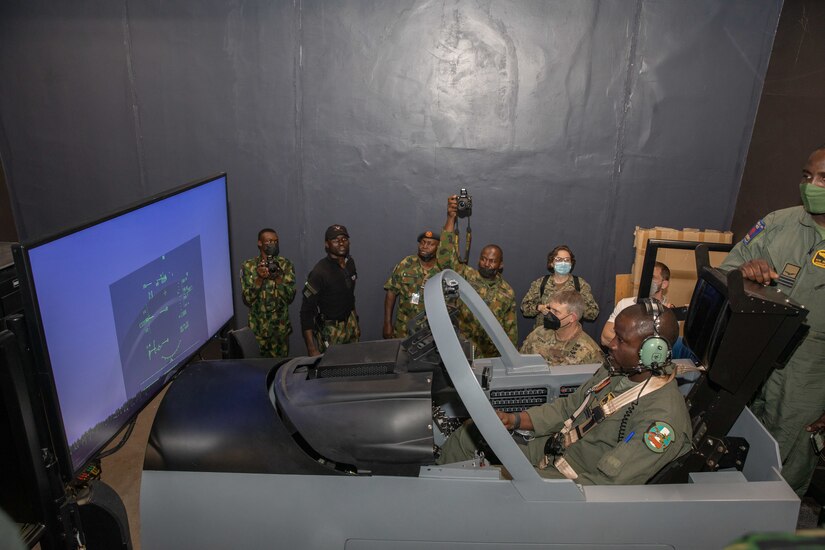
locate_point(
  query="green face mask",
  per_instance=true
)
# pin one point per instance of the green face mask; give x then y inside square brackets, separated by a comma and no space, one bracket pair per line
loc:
[813,198]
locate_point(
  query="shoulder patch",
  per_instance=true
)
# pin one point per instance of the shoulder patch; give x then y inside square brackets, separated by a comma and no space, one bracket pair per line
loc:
[818,258]
[754,231]
[658,436]
[309,291]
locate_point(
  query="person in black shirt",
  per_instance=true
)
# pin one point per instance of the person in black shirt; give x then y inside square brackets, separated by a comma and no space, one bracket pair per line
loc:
[328,308]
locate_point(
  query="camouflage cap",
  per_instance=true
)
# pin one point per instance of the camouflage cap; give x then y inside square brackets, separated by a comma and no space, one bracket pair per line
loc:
[335,230]
[429,235]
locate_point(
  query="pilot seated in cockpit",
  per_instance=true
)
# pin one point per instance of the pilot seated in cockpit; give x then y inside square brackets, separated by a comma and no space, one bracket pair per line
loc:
[620,427]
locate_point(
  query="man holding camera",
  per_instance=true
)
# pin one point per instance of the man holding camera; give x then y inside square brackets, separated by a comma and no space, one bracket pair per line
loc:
[406,283]
[268,287]
[328,308]
[487,281]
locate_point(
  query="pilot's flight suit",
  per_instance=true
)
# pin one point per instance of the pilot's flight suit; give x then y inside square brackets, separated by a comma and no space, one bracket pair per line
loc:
[627,447]
[794,396]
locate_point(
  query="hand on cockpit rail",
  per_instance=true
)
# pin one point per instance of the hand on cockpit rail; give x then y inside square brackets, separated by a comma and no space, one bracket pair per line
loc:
[758,270]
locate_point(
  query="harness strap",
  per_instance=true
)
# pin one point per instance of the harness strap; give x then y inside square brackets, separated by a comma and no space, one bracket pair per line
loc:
[576,284]
[598,414]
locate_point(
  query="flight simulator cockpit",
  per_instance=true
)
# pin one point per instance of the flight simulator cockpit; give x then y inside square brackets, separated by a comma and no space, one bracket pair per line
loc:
[339,451]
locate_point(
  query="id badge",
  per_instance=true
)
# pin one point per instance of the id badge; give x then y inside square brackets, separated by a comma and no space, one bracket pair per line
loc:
[414,298]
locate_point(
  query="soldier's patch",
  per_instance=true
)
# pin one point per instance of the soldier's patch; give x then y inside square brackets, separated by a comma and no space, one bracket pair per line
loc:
[788,275]
[309,291]
[819,258]
[755,230]
[658,436]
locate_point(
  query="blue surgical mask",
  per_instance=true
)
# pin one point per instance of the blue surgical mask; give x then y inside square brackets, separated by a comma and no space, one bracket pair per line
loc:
[562,268]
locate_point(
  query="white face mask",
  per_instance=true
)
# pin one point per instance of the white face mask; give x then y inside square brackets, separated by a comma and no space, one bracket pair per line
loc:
[655,287]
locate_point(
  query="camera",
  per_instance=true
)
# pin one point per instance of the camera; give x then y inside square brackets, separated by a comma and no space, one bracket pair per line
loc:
[465,204]
[273,266]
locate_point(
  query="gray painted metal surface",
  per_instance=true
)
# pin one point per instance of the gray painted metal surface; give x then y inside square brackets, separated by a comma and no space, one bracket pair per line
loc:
[569,122]
[208,510]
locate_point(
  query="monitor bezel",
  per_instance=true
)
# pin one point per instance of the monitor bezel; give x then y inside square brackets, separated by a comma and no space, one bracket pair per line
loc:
[36,334]
[711,277]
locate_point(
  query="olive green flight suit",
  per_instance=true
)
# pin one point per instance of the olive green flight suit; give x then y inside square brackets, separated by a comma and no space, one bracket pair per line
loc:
[618,451]
[794,396]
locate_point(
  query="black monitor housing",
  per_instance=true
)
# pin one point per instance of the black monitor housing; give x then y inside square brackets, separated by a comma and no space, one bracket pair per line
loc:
[114,308]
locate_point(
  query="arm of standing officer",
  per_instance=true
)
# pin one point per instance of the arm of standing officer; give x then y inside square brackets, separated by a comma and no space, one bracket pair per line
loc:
[591,308]
[309,311]
[286,282]
[447,253]
[509,323]
[750,256]
[389,304]
[309,340]
[531,300]
[251,282]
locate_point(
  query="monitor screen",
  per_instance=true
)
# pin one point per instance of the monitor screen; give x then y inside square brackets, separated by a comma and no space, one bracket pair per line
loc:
[702,325]
[121,304]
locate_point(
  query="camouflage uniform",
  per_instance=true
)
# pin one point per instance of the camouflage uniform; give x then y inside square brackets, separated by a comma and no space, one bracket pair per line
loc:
[496,293]
[407,283]
[531,301]
[338,332]
[269,306]
[579,350]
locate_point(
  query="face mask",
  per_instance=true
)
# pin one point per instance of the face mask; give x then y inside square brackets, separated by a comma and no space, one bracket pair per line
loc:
[563,268]
[428,257]
[813,198]
[551,322]
[655,287]
[487,272]
[271,250]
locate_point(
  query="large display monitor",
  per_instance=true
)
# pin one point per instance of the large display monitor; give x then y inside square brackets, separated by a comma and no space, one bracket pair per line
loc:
[116,307]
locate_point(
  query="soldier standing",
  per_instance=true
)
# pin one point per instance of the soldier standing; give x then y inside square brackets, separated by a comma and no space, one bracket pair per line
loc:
[268,287]
[406,283]
[560,264]
[328,308]
[788,247]
[487,281]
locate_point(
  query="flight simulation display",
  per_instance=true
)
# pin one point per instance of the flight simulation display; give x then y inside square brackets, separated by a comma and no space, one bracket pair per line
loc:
[122,303]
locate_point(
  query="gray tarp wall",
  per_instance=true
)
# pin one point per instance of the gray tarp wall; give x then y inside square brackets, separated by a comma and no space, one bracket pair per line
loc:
[569,122]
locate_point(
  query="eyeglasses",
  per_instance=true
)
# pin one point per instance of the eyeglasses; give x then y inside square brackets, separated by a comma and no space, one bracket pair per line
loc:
[560,259]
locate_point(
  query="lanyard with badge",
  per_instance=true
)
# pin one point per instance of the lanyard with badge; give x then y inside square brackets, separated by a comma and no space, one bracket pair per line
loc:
[415,297]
